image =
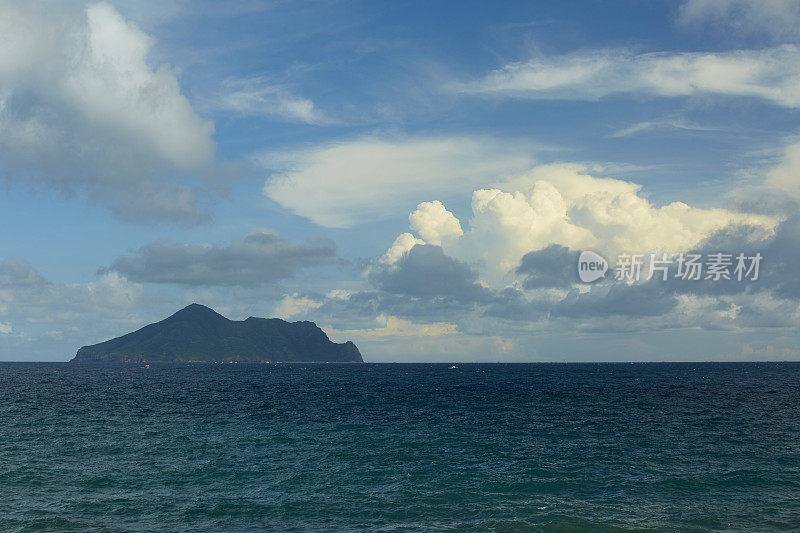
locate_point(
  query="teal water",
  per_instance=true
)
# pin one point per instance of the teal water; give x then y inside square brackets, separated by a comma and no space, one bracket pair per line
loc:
[378,447]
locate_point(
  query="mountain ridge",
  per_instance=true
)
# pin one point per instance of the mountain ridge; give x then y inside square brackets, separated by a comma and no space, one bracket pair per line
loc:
[197,333]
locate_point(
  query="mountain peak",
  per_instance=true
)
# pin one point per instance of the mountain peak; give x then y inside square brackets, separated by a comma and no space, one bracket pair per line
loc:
[198,333]
[196,309]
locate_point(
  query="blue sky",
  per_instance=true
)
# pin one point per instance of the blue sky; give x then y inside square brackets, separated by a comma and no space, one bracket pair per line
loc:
[394,172]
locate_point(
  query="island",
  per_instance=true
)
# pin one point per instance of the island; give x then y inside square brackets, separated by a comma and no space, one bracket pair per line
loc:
[197,333]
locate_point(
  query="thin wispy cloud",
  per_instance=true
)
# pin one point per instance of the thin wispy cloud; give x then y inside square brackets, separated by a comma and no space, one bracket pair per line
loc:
[772,74]
[664,124]
[258,97]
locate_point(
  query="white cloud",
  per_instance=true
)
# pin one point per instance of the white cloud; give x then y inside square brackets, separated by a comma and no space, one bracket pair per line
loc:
[339,185]
[111,290]
[256,96]
[665,124]
[777,19]
[786,175]
[81,110]
[295,305]
[51,320]
[402,245]
[563,204]
[772,74]
[26,295]
[392,326]
[434,223]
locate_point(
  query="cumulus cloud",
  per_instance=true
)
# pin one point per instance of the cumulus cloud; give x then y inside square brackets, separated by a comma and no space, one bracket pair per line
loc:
[260,257]
[428,286]
[392,326]
[257,96]
[772,300]
[295,305]
[47,321]
[401,246]
[27,295]
[515,262]
[376,315]
[771,74]
[782,256]
[390,338]
[339,185]
[434,223]
[778,20]
[549,267]
[82,111]
[639,300]
[562,204]
[427,272]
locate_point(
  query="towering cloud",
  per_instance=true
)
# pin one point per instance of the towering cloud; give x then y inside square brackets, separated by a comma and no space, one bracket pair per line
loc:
[434,223]
[563,205]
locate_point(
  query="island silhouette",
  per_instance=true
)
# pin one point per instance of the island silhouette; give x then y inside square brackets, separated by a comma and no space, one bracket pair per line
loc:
[197,333]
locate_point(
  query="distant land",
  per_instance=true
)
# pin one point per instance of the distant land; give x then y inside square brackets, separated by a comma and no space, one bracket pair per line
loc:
[197,333]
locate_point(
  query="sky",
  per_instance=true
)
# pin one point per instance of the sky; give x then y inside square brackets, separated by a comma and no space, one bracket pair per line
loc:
[418,177]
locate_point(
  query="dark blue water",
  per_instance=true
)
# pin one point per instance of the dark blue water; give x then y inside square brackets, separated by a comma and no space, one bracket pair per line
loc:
[492,447]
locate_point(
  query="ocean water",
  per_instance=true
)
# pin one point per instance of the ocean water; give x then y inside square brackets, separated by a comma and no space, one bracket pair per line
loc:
[396,447]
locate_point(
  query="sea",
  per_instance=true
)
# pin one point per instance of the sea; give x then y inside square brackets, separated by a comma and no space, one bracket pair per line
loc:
[400,447]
